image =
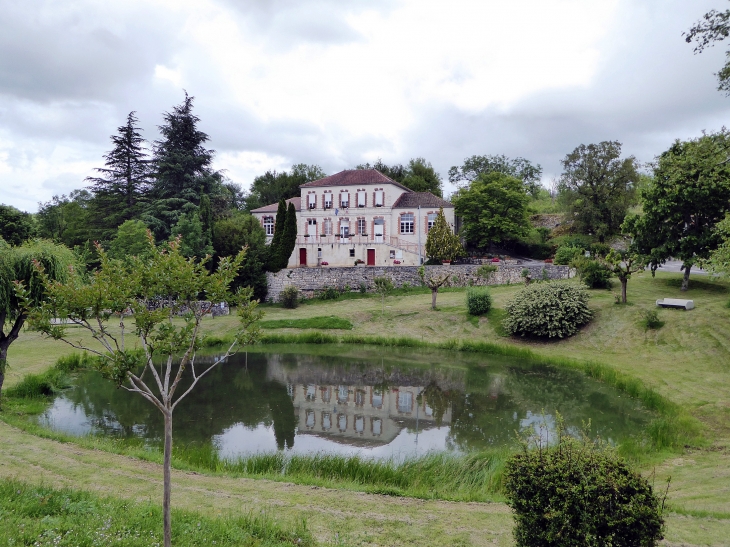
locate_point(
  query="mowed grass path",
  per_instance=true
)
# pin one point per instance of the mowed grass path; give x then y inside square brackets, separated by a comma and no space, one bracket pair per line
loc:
[688,360]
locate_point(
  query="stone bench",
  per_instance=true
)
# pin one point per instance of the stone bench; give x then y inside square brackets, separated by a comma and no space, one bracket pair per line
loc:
[676,303]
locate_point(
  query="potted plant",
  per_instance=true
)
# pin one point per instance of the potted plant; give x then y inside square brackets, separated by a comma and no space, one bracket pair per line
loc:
[306,235]
[359,262]
[324,263]
[396,262]
[324,235]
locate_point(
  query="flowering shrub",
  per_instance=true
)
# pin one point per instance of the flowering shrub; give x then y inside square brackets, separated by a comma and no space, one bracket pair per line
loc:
[396,262]
[324,263]
[495,259]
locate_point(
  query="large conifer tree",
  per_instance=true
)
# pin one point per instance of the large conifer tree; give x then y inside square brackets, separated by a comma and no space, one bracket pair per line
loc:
[183,168]
[289,240]
[124,181]
[273,264]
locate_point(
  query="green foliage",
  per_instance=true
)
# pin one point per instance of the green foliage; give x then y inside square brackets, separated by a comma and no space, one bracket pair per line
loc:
[383,286]
[326,322]
[42,515]
[598,187]
[15,225]
[130,240]
[289,297]
[66,219]
[493,208]
[485,271]
[329,293]
[595,274]
[580,493]
[713,27]
[273,186]
[419,175]
[689,197]
[556,309]
[442,243]
[478,300]
[273,263]
[650,320]
[719,260]
[289,242]
[519,168]
[566,255]
[194,242]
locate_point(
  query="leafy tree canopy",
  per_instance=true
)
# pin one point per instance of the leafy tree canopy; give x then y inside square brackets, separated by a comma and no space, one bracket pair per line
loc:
[493,208]
[66,219]
[273,186]
[193,240]
[419,175]
[519,168]
[598,187]
[713,27]
[719,261]
[130,240]
[15,225]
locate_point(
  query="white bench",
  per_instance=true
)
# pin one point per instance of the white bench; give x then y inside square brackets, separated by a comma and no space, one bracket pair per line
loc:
[676,303]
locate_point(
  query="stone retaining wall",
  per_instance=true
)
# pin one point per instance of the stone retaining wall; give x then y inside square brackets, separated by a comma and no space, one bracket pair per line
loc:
[312,280]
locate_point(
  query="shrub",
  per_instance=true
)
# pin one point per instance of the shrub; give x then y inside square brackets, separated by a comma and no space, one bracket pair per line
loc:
[580,493]
[486,271]
[594,274]
[551,310]
[600,249]
[329,293]
[478,300]
[650,320]
[289,297]
[363,287]
[566,255]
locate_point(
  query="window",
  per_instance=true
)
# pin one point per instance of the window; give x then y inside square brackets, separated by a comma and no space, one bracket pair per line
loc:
[326,394]
[342,422]
[361,226]
[319,253]
[377,399]
[312,226]
[352,253]
[312,201]
[359,397]
[379,198]
[361,199]
[431,220]
[311,393]
[405,401]
[342,394]
[326,420]
[310,419]
[327,227]
[377,426]
[344,200]
[328,201]
[269,226]
[406,223]
[359,424]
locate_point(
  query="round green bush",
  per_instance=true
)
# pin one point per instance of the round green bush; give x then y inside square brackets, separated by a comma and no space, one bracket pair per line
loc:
[478,300]
[289,297]
[548,310]
[565,255]
[594,274]
[577,493]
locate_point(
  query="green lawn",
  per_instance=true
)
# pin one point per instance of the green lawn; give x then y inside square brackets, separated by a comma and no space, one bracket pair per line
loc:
[687,361]
[320,322]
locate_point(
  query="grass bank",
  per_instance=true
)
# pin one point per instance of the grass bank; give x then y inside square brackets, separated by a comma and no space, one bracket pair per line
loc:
[319,322]
[46,516]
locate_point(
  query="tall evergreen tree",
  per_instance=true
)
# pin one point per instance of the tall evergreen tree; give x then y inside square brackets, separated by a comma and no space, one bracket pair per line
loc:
[183,168]
[275,248]
[289,240]
[124,181]
[206,218]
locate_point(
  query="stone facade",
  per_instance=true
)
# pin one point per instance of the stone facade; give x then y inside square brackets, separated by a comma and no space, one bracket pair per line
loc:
[312,280]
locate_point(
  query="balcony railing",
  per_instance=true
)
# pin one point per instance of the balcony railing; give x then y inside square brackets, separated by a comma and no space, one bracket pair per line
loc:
[357,239]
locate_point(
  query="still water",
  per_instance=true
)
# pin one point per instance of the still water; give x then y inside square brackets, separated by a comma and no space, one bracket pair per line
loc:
[371,401]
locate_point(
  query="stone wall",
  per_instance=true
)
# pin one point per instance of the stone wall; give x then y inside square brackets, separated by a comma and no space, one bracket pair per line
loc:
[312,280]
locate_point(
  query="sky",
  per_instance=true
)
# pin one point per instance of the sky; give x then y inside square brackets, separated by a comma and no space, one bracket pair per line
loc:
[337,83]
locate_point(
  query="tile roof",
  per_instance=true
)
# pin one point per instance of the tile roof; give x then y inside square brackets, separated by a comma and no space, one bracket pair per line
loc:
[354,177]
[424,199]
[297,201]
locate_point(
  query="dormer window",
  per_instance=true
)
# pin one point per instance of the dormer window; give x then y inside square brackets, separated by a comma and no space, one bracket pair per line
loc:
[312,200]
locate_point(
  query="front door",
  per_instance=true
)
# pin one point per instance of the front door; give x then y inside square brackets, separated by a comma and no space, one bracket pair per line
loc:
[302,256]
[371,257]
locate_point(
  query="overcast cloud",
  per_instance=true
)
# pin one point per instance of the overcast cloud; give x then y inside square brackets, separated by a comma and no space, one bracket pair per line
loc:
[335,83]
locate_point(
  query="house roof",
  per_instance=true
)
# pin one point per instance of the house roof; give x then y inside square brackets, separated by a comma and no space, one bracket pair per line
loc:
[297,201]
[424,199]
[354,177]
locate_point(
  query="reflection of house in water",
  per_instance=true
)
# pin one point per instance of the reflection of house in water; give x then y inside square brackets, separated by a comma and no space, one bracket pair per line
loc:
[355,411]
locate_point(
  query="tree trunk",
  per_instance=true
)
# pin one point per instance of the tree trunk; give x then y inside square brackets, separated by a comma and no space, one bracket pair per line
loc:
[624,282]
[166,524]
[685,279]
[434,293]
[3,364]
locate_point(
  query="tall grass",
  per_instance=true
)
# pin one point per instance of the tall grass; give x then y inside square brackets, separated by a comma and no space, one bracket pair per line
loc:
[45,384]
[40,515]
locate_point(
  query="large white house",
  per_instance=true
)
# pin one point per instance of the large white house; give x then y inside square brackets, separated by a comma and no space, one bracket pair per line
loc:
[359,214]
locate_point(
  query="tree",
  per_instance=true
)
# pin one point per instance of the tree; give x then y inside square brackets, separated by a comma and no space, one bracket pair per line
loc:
[289,241]
[714,27]
[598,187]
[690,195]
[273,263]
[383,286]
[232,234]
[174,284]
[434,281]
[183,168]
[395,172]
[130,240]
[442,243]
[519,168]
[422,177]
[493,208]
[622,265]
[205,212]
[719,261]
[194,242]
[17,266]
[15,225]
[125,180]
[66,219]
[272,186]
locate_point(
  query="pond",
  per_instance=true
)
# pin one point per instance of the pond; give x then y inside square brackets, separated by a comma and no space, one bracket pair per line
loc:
[376,402]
